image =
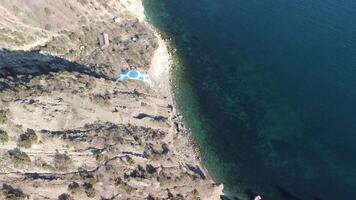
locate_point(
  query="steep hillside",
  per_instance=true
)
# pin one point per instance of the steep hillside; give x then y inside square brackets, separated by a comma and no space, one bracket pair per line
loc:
[67,130]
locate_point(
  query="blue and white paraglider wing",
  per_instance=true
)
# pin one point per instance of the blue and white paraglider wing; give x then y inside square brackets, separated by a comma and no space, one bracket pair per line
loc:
[134,75]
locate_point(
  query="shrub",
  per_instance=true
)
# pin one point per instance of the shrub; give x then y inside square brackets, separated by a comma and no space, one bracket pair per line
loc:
[65,196]
[62,161]
[19,157]
[156,157]
[138,140]
[3,116]
[82,79]
[11,193]
[27,138]
[48,27]
[32,135]
[3,136]
[45,165]
[83,2]
[87,177]
[195,192]
[48,11]
[24,141]
[89,190]
[130,160]
[160,180]
[118,181]
[90,179]
[74,188]
[127,188]
[100,157]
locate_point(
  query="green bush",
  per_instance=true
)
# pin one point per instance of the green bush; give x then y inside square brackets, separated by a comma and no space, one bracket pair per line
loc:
[32,135]
[27,138]
[89,190]
[24,141]
[90,180]
[130,160]
[65,196]
[100,157]
[3,137]
[127,188]
[87,177]
[3,116]
[82,79]
[19,157]
[11,193]
[74,188]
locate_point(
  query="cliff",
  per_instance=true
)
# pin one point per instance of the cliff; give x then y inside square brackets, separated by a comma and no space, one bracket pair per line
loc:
[67,130]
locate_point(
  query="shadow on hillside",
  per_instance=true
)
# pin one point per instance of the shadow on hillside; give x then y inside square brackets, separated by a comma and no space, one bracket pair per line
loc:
[18,67]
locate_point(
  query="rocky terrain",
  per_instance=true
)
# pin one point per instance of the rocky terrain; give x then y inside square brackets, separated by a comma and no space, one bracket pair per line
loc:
[67,130]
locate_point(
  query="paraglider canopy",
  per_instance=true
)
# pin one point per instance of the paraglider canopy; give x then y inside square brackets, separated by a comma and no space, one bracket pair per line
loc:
[135,75]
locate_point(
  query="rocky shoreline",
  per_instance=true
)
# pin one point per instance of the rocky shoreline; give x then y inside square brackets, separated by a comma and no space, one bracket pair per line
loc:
[166,88]
[180,127]
[67,130]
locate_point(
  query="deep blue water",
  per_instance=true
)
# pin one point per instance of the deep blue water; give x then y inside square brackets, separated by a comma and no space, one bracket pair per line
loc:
[269,90]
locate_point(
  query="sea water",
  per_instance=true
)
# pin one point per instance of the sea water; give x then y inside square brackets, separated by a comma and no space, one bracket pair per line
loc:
[268,88]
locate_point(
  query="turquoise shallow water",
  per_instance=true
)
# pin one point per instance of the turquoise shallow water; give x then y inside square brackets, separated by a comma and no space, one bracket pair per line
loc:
[268,88]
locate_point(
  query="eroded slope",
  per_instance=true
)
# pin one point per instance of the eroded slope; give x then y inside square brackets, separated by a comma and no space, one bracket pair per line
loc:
[67,130]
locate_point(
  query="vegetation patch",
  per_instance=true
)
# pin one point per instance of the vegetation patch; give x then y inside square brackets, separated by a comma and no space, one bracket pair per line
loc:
[118,181]
[3,116]
[62,161]
[3,137]
[155,156]
[24,141]
[100,157]
[83,2]
[47,166]
[19,157]
[83,79]
[74,188]
[27,139]
[11,193]
[130,160]
[89,190]
[87,177]
[65,196]
[48,11]
[128,189]
[32,135]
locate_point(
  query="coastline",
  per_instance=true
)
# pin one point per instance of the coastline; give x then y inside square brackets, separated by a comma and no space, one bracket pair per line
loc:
[159,72]
[180,126]
[106,139]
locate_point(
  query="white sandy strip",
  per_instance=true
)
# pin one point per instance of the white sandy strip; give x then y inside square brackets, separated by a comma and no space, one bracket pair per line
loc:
[160,68]
[160,64]
[135,7]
